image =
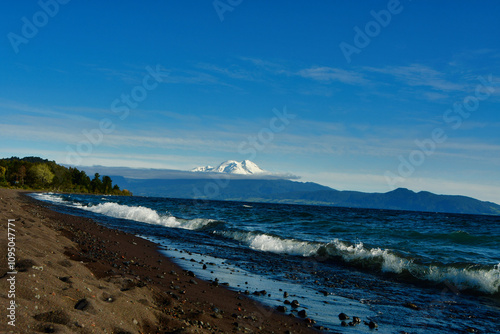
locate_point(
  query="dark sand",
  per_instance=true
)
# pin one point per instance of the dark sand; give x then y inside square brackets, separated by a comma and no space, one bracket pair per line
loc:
[75,276]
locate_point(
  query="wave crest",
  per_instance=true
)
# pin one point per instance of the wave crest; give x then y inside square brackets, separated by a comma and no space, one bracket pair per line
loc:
[146,215]
[136,213]
[485,279]
[270,243]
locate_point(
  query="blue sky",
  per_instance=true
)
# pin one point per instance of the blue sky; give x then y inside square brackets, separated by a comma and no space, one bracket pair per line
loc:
[413,102]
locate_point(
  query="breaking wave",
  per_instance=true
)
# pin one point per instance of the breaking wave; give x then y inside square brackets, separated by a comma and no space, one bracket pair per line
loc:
[146,215]
[269,243]
[136,213]
[485,279]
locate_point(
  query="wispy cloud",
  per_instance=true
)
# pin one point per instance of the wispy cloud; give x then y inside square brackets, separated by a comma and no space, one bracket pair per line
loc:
[17,107]
[434,96]
[190,77]
[233,71]
[35,133]
[329,74]
[198,75]
[266,65]
[419,75]
[129,74]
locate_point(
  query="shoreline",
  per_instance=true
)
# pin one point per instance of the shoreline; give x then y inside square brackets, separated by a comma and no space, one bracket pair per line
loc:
[76,276]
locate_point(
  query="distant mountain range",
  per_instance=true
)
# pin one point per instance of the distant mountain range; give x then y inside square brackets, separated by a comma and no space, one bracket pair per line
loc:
[292,192]
[245,167]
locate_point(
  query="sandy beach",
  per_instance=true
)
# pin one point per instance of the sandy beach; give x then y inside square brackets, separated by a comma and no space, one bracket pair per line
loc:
[72,275]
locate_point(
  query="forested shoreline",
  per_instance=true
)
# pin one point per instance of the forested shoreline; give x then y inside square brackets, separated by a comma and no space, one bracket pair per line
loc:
[34,173]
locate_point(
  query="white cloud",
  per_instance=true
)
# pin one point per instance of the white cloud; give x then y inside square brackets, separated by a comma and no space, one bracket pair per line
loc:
[232,71]
[419,75]
[328,74]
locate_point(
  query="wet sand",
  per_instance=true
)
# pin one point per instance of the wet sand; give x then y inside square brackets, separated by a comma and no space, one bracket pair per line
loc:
[75,276]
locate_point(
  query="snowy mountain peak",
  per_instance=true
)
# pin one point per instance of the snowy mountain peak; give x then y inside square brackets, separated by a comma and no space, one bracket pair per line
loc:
[245,167]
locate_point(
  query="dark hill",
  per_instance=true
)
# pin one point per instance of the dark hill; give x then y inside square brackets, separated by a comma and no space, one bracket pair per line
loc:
[286,191]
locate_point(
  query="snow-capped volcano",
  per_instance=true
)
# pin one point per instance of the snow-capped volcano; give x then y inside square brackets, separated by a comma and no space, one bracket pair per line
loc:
[245,167]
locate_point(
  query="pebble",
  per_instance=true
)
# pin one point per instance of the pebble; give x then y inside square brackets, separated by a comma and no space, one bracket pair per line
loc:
[343,316]
[412,306]
[82,304]
[281,308]
[65,279]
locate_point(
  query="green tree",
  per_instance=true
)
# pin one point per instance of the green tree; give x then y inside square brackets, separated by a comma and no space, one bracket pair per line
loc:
[80,180]
[22,174]
[96,184]
[42,174]
[2,174]
[107,184]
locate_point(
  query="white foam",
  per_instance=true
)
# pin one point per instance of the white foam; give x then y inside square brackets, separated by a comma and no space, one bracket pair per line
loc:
[467,278]
[136,213]
[49,197]
[485,280]
[357,252]
[350,253]
[268,243]
[146,215]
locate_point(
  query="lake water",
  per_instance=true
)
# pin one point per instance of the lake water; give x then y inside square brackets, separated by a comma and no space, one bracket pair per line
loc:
[409,272]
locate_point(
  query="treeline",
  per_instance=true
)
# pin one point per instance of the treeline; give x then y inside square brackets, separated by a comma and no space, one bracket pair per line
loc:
[38,173]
